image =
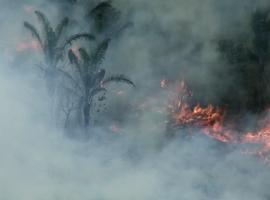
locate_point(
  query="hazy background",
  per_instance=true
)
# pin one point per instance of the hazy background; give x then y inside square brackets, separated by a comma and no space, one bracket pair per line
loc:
[171,39]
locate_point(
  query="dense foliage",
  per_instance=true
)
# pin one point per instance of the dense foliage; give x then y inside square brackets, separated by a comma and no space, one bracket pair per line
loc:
[248,60]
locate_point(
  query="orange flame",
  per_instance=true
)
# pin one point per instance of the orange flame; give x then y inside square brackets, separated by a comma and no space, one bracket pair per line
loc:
[210,120]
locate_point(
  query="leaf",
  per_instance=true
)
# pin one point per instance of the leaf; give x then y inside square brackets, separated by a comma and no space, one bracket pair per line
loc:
[102,14]
[84,55]
[72,57]
[34,32]
[118,78]
[46,25]
[100,8]
[60,27]
[78,36]
[99,53]
[75,61]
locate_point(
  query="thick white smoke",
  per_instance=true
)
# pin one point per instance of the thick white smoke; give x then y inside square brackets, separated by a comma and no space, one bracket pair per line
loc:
[38,162]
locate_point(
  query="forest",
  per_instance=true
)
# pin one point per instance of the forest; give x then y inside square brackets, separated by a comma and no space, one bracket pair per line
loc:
[134,99]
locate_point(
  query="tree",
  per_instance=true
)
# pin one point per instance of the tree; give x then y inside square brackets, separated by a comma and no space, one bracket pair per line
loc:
[249,58]
[106,20]
[88,78]
[52,44]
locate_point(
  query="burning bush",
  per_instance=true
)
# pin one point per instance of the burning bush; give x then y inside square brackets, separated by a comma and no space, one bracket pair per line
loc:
[213,121]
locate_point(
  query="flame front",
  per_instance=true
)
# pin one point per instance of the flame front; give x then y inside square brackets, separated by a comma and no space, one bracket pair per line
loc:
[210,120]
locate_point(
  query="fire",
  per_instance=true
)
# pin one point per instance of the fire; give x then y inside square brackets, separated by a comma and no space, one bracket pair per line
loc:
[211,121]
[262,139]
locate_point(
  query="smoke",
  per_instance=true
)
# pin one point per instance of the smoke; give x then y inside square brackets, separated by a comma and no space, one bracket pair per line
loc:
[38,162]
[169,39]
[179,40]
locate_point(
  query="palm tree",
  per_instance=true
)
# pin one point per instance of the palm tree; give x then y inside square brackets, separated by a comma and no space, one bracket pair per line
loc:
[106,20]
[89,79]
[52,45]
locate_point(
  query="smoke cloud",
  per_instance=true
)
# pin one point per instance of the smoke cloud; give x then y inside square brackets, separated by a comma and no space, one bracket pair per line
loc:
[169,39]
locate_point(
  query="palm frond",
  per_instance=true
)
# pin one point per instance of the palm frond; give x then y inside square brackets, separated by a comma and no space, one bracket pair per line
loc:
[72,57]
[118,78]
[45,23]
[99,53]
[34,32]
[75,61]
[42,18]
[102,14]
[78,36]
[60,28]
[100,8]
[84,55]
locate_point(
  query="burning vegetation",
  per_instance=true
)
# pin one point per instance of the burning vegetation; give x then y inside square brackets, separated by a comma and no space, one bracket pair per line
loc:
[76,73]
[201,127]
[247,60]
[213,121]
